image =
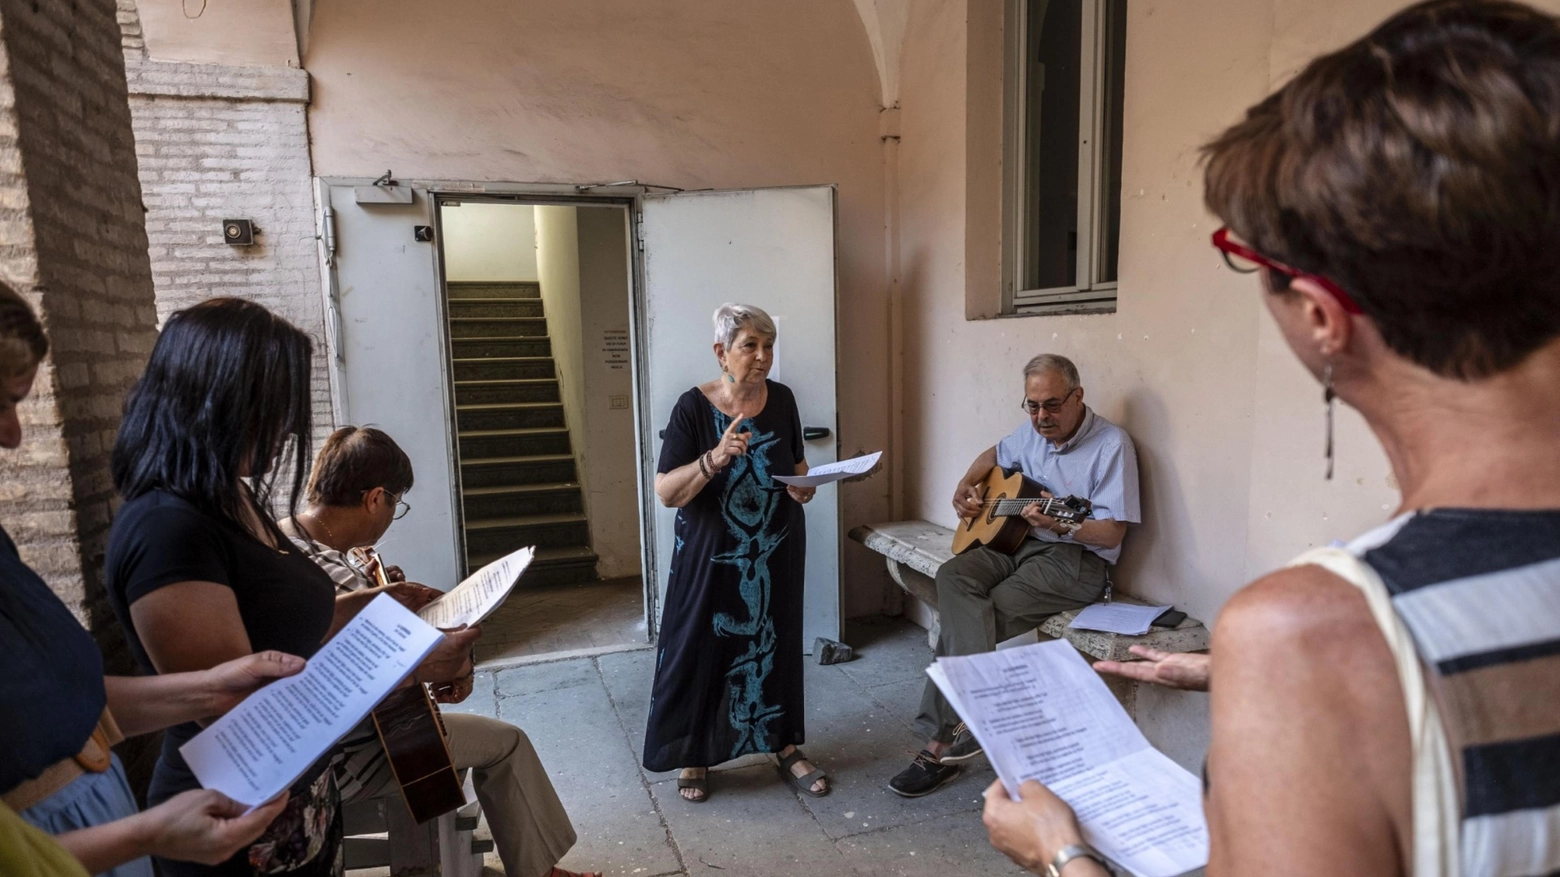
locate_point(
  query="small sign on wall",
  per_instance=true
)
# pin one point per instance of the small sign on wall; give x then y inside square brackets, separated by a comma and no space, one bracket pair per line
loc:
[614,348]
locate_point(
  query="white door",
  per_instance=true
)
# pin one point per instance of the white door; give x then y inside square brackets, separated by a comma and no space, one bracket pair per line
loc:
[390,362]
[773,248]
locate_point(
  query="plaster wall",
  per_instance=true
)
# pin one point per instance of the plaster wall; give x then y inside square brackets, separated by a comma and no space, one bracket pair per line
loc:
[240,34]
[489,242]
[686,93]
[558,267]
[608,472]
[583,258]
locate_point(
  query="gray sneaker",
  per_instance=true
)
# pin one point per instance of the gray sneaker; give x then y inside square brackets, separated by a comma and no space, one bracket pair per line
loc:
[963,748]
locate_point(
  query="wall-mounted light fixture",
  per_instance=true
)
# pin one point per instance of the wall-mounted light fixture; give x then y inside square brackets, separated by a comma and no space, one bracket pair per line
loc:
[238,232]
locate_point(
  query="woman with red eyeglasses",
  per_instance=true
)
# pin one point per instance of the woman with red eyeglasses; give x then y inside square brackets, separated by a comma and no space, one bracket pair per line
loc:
[1393,706]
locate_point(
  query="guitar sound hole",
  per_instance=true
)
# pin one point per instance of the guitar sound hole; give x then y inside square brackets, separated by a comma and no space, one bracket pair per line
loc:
[995,507]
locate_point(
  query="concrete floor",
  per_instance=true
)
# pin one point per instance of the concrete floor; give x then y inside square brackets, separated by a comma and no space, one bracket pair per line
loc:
[586,716]
[546,623]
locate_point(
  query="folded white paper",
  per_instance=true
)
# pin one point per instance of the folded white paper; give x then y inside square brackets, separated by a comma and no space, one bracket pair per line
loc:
[1042,713]
[263,745]
[1127,618]
[831,472]
[475,598]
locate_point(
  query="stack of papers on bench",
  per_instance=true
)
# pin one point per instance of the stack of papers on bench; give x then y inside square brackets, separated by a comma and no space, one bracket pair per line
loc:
[1128,618]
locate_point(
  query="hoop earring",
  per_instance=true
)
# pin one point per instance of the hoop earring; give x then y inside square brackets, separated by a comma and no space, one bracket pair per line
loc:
[1327,404]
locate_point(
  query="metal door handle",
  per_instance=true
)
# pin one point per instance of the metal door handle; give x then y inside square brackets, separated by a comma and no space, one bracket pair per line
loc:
[813,433]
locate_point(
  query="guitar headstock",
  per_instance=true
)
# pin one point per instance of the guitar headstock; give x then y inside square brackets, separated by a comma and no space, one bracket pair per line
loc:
[1073,509]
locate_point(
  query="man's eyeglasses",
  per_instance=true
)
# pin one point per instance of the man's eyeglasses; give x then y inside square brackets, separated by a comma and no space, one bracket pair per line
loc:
[1244,260]
[1049,406]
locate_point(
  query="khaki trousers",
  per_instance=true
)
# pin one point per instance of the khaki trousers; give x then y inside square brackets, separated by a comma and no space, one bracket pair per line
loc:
[530,828]
[985,597]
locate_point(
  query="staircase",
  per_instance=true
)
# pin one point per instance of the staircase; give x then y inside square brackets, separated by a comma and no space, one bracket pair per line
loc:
[517,478]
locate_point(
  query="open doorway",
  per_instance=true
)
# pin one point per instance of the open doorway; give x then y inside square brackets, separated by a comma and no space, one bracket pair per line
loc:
[537,299]
[403,331]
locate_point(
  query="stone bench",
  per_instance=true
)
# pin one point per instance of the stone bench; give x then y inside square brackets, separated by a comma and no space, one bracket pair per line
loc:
[914,550]
[381,834]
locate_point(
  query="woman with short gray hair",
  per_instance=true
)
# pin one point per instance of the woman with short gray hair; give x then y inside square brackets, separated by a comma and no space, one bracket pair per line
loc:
[728,678]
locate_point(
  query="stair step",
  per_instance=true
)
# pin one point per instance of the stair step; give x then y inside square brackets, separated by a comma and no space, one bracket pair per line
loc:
[501,367]
[468,289]
[496,307]
[498,327]
[509,415]
[489,347]
[507,534]
[512,471]
[480,444]
[502,501]
[511,390]
[568,565]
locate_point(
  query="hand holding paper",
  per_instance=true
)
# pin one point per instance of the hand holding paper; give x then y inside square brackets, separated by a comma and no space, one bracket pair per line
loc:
[1042,714]
[263,745]
[475,598]
[829,473]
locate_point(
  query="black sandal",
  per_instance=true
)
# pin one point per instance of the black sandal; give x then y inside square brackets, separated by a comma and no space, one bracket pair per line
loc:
[805,782]
[700,784]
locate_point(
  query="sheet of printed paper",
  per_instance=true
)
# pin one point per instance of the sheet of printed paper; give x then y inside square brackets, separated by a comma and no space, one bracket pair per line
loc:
[828,473]
[1127,618]
[1042,713]
[264,744]
[475,598]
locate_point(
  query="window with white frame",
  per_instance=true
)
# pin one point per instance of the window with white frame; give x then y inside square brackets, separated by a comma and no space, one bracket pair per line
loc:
[1062,174]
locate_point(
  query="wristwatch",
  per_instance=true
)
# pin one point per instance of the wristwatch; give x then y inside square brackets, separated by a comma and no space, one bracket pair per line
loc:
[1073,851]
[1068,527]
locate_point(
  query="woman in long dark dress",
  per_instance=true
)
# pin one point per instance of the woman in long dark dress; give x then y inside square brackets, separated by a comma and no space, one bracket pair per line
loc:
[728,678]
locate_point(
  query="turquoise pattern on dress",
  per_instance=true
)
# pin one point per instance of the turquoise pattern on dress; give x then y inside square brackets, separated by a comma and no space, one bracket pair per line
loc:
[748,504]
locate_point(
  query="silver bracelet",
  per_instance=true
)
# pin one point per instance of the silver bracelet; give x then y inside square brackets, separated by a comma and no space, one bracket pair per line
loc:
[1068,853]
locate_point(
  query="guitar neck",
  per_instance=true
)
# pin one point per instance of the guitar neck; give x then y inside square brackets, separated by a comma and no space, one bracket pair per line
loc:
[1009,508]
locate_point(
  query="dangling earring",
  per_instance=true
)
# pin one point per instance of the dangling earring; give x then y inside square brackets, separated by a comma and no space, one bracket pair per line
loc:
[1327,401]
[729,378]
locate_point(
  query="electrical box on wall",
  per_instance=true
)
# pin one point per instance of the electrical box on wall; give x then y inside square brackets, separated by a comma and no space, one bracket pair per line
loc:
[617,402]
[238,232]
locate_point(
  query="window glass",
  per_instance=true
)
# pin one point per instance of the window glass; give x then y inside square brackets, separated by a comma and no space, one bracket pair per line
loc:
[1113,84]
[1053,85]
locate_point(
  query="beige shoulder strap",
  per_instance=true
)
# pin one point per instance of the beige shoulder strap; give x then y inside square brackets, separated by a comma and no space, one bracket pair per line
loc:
[1437,812]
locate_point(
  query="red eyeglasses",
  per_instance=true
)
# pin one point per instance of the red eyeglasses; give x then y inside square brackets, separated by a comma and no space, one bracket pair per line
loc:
[1244,260]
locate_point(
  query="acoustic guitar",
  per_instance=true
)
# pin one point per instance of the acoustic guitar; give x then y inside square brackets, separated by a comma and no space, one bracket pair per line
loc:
[1003,498]
[417,745]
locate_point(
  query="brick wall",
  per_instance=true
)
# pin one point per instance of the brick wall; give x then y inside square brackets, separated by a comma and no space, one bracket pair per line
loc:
[131,37]
[214,143]
[72,240]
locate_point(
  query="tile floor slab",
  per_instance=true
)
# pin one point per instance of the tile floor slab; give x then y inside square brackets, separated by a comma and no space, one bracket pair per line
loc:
[482,701]
[886,651]
[902,700]
[947,845]
[750,827]
[534,622]
[535,678]
[863,747]
[578,737]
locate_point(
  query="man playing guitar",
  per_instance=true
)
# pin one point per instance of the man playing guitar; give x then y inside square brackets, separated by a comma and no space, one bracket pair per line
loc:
[985,596]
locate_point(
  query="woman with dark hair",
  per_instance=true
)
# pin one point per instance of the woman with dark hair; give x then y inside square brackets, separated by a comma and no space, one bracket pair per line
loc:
[1393,707]
[197,569]
[59,714]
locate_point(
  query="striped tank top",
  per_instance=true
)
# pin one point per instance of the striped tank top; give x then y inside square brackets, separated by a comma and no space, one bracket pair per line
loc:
[1469,602]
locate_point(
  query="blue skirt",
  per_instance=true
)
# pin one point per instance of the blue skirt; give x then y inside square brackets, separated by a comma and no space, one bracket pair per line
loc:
[90,799]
